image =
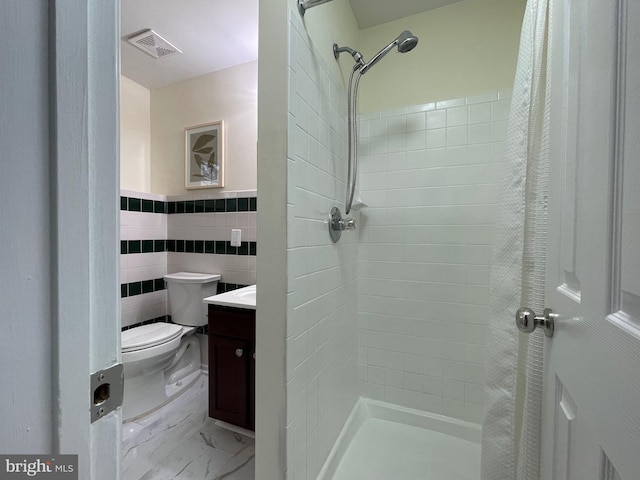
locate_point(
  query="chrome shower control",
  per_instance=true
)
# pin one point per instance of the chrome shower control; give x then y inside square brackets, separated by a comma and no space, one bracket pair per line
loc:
[337,224]
[347,224]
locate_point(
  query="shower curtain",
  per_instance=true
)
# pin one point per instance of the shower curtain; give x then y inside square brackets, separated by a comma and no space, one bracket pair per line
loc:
[513,393]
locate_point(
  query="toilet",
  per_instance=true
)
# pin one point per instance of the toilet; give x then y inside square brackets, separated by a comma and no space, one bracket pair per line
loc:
[161,360]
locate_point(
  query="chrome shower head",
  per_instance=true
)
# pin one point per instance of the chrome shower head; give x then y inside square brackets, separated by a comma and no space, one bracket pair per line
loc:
[404,42]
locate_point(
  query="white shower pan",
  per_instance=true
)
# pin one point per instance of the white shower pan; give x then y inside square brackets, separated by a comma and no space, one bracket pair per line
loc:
[382,441]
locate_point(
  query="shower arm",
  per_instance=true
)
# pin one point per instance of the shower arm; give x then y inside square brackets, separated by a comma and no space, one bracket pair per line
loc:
[357,56]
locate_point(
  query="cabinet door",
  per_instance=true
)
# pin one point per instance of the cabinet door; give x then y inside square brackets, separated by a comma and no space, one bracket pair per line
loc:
[230,360]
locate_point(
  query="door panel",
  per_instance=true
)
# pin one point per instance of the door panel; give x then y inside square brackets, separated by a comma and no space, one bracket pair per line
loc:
[229,396]
[591,415]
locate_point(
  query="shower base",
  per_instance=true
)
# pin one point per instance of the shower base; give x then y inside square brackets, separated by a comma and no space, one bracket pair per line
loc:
[382,441]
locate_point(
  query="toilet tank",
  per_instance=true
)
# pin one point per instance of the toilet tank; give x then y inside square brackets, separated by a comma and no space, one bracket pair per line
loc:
[186,290]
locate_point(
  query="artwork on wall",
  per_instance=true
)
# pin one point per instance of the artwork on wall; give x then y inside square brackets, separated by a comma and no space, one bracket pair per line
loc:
[204,155]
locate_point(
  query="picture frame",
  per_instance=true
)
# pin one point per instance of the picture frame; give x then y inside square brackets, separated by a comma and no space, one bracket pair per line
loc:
[204,156]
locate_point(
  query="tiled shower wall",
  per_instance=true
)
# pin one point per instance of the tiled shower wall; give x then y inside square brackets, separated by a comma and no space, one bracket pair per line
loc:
[322,291]
[429,174]
[162,235]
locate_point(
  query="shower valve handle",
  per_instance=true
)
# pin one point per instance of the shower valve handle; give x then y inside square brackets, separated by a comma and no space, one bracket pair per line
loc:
[527,321]
[347,224]
[337,224]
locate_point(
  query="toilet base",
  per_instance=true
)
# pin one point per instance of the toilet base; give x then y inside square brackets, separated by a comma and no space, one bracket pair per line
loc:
[146,393]
[170,393]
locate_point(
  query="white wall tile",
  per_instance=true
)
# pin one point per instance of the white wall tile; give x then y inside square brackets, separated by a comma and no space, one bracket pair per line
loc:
[426,251]
[416,121]
[436,138]
[436,119]
[457,116]
[479,113]
[323,317]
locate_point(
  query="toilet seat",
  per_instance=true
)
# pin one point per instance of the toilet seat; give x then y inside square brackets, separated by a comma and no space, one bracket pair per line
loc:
[147,336]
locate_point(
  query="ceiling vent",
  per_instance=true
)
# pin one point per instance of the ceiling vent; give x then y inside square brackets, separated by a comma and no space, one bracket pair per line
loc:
[153,44]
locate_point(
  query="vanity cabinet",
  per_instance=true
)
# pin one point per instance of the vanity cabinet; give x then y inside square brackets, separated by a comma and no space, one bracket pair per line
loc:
[232,340]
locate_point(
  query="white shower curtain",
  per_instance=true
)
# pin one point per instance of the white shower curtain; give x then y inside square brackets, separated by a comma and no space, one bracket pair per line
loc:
[513,394]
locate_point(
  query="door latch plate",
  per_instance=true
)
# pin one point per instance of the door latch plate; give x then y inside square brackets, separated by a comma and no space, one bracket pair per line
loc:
[107,390]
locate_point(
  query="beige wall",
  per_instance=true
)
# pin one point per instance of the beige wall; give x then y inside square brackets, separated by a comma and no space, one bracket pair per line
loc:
[465,48]
[135,136]
[229,95]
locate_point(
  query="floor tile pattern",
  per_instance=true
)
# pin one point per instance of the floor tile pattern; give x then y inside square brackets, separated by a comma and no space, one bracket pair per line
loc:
[179,441]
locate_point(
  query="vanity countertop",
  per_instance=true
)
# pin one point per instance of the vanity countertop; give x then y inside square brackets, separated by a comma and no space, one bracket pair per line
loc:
[239,298]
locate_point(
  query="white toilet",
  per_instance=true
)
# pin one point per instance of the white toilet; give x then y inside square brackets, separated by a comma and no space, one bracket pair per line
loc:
[163,359]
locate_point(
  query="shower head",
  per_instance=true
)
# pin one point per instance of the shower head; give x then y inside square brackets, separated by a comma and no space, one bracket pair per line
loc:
[404,42]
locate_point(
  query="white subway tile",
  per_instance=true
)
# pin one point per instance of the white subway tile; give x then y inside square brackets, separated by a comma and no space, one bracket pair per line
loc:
[425,107]
[479,113]
[396,143]
[394,378]
[432,385]
[474,374]
[453,370]
[457,102]
[453,408]
[436,138]
[479,133]
[416,122]
[433,367]
[378,127]
[376,375]
[457,116]
[473,412]
[498,131]
[412,381]
[456,155]
[394,112]
[487,97]
[416,159]
[473,393]
[500,110]
[436,119]
[396,124]
[415,141]
[453,389]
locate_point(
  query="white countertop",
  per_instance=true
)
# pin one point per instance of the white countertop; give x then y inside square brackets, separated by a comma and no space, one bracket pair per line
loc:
[239,298]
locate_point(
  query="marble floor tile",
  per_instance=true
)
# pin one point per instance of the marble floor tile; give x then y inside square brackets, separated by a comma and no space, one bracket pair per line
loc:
[179,441]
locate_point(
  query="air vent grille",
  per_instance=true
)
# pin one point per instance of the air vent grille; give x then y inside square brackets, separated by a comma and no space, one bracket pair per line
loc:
[153,44]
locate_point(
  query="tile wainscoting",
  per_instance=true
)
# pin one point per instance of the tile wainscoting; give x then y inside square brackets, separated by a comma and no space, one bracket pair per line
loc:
[161,235]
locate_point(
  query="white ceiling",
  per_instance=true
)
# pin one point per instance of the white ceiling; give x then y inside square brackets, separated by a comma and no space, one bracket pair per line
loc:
[218,34]
[212,34]
[374,12]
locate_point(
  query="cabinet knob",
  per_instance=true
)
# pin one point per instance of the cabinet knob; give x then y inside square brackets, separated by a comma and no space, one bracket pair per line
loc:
[239,352]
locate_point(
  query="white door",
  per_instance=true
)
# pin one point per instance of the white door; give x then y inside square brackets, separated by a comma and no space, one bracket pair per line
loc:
[591,414]
[59,321]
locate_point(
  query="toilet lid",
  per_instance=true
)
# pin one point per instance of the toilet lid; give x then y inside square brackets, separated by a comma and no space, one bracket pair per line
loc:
[146,336]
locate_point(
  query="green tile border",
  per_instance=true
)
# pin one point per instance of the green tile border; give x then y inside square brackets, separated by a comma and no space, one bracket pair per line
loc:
[219,205]
[218,247]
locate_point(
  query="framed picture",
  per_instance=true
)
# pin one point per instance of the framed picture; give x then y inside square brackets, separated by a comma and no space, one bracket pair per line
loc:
[204,156]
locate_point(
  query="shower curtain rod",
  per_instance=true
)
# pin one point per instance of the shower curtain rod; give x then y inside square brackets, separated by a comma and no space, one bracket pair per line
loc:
[304,5]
